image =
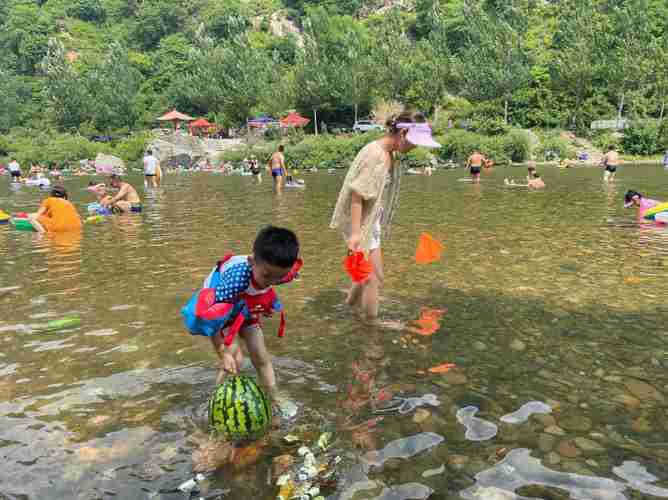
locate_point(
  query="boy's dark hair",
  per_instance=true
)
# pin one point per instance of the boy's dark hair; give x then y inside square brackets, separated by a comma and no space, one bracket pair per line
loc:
[276,246]
[114,177]
[281,148]
[149,152]
[611,147]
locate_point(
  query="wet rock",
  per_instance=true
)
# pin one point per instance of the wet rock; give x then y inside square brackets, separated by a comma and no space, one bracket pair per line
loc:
[555,430]
[643,391]
[280,465]
[568,449]
[555,405]
[421,415]
[627,400]
[588,446]
[537,491]
[452,378]
[641,424]
[592,463]
[578,468]
[613,379]
[393,464]
[518,345]
[479,346]
[576,423]
[600,373]
[546,442]
[493,493]
[552,458]
[545,420]
[458,462]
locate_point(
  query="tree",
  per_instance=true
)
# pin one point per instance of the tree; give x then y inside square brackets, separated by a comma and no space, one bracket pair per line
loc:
[230,79]
[65,91]
[577,52]
[112,84]
[155,20]
[226,19]
[334,67]
[87,10]
[25,36]
[496,56]
[628,40]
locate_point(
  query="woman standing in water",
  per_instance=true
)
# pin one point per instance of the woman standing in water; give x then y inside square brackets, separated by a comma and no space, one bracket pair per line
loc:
[368,197]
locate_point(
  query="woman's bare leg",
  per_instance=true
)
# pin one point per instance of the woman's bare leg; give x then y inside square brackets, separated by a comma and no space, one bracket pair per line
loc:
[371,288]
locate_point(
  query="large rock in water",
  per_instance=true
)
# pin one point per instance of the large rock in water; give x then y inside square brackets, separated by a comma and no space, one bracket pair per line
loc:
[173,149]
[108,164]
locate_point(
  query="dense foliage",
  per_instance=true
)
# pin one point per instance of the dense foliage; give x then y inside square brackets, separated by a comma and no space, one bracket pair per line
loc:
[111,66]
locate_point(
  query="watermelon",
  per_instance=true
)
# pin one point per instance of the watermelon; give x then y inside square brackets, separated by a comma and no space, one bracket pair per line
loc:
[239,409]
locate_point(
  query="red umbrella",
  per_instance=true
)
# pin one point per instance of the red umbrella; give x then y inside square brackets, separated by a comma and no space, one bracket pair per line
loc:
[201,123]
[176,117]
[294,120]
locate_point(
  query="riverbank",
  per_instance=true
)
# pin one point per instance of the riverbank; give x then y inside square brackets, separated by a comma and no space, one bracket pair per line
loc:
[515,146]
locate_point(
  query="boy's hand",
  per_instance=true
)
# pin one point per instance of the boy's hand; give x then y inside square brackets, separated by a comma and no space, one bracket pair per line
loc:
[229,363]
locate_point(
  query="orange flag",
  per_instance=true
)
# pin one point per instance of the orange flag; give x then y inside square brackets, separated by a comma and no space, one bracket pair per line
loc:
[429,322]
[444,368]
[429,250]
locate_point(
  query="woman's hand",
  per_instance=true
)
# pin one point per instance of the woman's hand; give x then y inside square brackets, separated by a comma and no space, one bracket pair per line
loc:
[354,241]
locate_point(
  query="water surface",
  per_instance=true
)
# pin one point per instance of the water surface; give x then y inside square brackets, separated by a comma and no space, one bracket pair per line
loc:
[556,297]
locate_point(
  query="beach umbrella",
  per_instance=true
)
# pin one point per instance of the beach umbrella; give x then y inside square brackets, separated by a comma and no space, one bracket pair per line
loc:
[201,123]
[294,120]
[176,117]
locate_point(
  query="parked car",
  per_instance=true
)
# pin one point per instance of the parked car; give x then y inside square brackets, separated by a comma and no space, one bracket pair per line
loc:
[366,126]
[338,128]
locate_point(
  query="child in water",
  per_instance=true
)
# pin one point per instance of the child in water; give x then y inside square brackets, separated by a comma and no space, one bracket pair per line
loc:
[534,180]
[56,214]
[245,283]
[634,198]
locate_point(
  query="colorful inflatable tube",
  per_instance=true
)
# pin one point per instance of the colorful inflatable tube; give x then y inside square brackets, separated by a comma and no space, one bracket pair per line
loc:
[652,212]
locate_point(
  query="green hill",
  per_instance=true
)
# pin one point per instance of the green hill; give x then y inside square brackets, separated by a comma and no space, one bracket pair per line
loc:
[107,67]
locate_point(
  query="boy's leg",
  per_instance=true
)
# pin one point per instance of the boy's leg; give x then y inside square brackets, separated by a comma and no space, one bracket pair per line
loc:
[260,357]
[371,289]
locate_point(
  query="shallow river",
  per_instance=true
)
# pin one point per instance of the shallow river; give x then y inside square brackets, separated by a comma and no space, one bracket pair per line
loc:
[556,297]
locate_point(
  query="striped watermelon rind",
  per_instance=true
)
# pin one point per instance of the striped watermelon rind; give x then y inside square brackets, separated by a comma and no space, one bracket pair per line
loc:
[239,409]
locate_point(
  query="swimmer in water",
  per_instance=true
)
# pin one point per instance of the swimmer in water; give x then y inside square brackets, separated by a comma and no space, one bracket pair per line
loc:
[277,168]
[127,199]
[474,165]
[635,199]
[610,161]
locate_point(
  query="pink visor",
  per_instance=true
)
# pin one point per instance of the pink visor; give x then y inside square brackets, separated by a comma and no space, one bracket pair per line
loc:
[419,134]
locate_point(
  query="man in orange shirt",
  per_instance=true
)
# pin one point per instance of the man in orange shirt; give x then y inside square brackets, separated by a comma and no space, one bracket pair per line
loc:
[474,164]
[56,214]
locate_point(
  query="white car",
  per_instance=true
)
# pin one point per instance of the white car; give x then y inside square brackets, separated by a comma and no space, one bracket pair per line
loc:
[366,126]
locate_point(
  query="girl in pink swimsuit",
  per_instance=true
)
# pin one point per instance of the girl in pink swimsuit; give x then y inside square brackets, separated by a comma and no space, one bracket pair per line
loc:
[634,198]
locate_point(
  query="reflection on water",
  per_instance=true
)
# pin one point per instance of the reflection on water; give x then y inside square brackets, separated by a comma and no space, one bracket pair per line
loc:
[554,300]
